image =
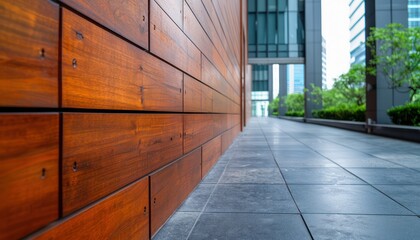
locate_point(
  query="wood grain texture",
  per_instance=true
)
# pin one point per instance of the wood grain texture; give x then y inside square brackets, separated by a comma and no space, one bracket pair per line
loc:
[123,215]
[29,53]
[198,36]
[169,42]
[28,173]
[211,151]
[198,128]
[128,18]
[104,152]
[220,103]
[206,99]
[170,186]
[113,74]
[219,123]
[174,9]
[192,94]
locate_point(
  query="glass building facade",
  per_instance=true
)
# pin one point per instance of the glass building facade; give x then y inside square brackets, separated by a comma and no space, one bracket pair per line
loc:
[413,13]
[260,90]
[295,78]
[357,32]
[276,28]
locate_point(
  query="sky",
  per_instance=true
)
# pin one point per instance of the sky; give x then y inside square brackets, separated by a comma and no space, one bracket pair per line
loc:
[335,30]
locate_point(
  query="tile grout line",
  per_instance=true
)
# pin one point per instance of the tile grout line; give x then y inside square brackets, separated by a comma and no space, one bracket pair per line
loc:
[233,148]
[287,185]
[345,169]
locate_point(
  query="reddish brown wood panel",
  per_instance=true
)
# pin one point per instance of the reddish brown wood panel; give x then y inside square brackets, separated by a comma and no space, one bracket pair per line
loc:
[28,173]
[198,128]
[170,186]
[206,99]
[192,94]
[198,36]
[207,23]
[29,53]
[170,43]
[103,71]
[226,140]
[123,215]
[174,9]
[104,152]
[220,103]
[211,152]
[128,18]
[219,123]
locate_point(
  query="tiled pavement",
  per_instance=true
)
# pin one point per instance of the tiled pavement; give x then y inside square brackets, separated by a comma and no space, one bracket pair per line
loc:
[288,180]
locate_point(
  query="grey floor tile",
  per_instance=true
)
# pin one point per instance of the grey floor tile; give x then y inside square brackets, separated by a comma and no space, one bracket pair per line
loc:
[344,199]
[406,195]
[364,227]
[177,227]
[197,199]
[387,175]
[319,176]
[252,175]
[251,198]
[369,162]
[249,227]
[407,162]
[252,163]
[305,163]
[215,173]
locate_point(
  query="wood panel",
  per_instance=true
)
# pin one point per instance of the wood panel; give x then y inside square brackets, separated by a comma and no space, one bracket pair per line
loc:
[219,123]
[220,103]
[170,43]
[128,18]
[198,36]
[206,99]
[170,186]
[174,9]
[211,151]
[198,128]
[226,140]
[102,71]
[104,152]
[28,173]
[29,53]
[192,94]
[123,215]
[207,24]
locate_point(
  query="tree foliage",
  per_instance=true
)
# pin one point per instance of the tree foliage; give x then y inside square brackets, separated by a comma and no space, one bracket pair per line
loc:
[396,53]
[348,90]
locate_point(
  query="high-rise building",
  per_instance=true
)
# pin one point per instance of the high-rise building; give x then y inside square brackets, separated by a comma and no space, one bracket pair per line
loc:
[357,32]
[324,63]
[277,34]
[413,13]
[295,78]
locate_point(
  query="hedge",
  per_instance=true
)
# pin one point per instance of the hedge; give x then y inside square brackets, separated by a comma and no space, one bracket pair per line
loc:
[408,114]
[355,113]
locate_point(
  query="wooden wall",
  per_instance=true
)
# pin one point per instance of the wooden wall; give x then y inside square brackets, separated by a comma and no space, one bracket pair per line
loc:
[111,112]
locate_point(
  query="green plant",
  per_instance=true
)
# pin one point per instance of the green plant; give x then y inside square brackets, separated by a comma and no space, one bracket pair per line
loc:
[344,112]
[396,53]
[273,106]
[294,102]
[408,114]
[295,113]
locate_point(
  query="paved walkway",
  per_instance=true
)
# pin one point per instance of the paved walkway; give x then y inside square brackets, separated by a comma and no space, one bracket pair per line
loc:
[288,180]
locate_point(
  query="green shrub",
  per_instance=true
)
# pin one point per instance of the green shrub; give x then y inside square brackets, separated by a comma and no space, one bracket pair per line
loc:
[295,113]
[348,113]
[408,114]
[274,106]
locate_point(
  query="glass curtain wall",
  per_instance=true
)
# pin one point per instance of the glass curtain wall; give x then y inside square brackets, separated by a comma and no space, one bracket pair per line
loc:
[276,28]
[260,91]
